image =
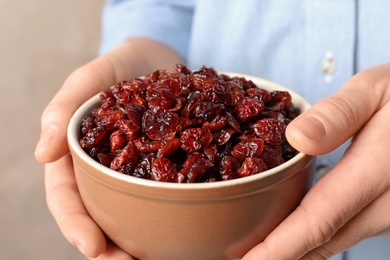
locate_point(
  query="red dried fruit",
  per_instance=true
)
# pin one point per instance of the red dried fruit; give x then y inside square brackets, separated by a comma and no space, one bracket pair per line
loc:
[249,148]
[104,159]
[87,123]
[158,95]
[251,166]
[234,94]
[217,123]
[271,130]
[248,109]
[191,140]
[118,140]
[288,151]
[223,136]
[144,168]
[210,152]
[185,126]
[272,156]
[110,118]
[146,146]
[168,147]
[280,100]
[198,170]
[233,122]
[192,100]
[191,159]
[259,94]
[134,113]
[126,160]
[92,137]
[130,129]
[158,123]
[205,111]
[229,167]
[164,170]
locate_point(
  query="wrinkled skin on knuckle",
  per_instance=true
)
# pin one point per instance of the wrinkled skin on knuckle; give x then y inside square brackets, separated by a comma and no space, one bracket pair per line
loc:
[319,231]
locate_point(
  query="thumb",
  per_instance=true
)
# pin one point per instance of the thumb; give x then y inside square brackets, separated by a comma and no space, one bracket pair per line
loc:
[54,121]
[333,120]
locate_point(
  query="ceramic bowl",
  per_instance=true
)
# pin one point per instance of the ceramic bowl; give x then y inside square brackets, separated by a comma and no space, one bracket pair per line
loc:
[220,220]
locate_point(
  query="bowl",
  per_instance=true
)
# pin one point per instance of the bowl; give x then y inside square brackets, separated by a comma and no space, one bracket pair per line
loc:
[219,220]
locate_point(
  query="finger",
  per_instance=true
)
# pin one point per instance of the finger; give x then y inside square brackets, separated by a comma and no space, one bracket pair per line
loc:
[133,58]
[68,210]
[373,220]
[113,253]
[313,223]
[79,86]
[333,120]
[359,178]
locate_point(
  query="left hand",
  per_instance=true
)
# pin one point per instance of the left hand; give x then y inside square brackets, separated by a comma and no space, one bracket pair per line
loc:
[352,201]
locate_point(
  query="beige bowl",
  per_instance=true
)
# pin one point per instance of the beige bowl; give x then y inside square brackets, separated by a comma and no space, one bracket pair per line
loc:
[156,220]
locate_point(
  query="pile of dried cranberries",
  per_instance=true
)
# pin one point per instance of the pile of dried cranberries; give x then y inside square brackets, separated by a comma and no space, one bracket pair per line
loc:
[189,127]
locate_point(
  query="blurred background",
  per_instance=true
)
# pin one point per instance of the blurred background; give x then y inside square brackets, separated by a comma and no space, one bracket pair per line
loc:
[42,41]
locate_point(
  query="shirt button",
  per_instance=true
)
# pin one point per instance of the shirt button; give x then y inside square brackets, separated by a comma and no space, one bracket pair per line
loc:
[328,65]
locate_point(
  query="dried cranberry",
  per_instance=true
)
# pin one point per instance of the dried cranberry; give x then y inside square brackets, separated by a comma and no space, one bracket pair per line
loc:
[118,140]
[130,129]
[168,147]
[249,148]
[159,96]
[249,108]
[229,167]
[198,170]
[280,100]
[185,126]
[259,94]
[158,123]
[272,156]
[271,130]
[87,123]
[223,136]
[164,170]
[146,146]
[104,159]
[126,160]
[191,140]
[251,166]
[92,137]
[144,168]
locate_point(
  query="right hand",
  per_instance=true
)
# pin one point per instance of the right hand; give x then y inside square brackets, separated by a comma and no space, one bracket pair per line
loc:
[133,58]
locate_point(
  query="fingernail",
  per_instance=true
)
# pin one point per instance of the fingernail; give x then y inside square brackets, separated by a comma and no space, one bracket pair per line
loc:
[310,127]
[43,143]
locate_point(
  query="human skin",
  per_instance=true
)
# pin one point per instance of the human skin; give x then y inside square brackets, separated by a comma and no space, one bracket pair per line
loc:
[352,201]
[133,58]
[349,204]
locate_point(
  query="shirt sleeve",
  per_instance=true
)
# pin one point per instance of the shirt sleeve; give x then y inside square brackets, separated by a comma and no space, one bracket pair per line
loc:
[166,21]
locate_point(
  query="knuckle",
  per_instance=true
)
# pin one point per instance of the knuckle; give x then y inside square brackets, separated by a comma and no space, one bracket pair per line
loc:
[50,113]
[320,253]
[319,230]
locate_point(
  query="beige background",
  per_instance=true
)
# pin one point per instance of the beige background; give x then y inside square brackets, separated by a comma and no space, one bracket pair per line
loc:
[41,42]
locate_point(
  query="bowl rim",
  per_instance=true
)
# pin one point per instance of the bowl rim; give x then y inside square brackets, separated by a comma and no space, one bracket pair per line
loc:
[94,101]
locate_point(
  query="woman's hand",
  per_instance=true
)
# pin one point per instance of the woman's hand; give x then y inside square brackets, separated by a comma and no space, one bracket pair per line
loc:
[352,201]
[134,58]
